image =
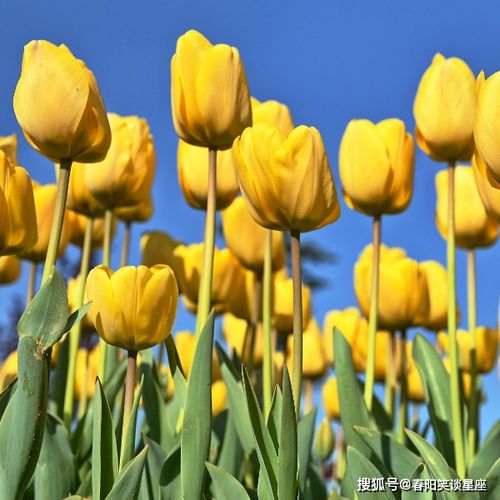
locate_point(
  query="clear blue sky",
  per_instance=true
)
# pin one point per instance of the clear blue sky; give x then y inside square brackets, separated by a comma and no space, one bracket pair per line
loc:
[328,61]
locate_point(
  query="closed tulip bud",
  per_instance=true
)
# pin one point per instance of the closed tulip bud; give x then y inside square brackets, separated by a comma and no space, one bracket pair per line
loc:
[241,300]
[330,394]
[185,343]
[415,387]
[192,169]
[403,298]
[10,269]
[376,166]
[87,364]
[58,105]
[324,441]
[209,93]
[133,308]
[158,247]
[437,289]
[272,112]
[383,341]
[79,225]
[126,175]
[286,180]
[45,203]
[486,348]
[219,397]
[444,110]
[80,199]
[236,332]
[8,144]
[487,186]
[167,381]
[313,358]
[18,228]
[473,227]
[8,370]
[246,239]
[353,326]
[141,212]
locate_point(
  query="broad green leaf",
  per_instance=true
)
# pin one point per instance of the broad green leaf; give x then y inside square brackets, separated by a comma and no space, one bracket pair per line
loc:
[197,426]
[274,418]
[336,496]
[56,460]
[231,452]
[22,424]
[57,388]
[305,433]
[487,454]
[176,370]
[129,445]
[6,395]
[151,474]
[315,484]
[420,473]
[493,480]
[128,482]
[170,476]
[104,452]
[226,486]
[287,453]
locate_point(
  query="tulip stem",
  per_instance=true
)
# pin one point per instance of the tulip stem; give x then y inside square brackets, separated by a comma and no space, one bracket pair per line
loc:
[390,378]
[30,292]
[129,400]
[297,320]
[126,244]
[452,329]
[372,327]
[75,333]
[266,323]
[205,290]
[403,390]
[58,218]
[309,395]
[251,333]
[475,385]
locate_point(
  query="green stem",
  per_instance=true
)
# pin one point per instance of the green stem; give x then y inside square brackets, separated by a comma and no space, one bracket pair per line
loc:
[403,394]
[126,244]
[204,295]
[372,327]
[390,378]
[452,329]
[129,400]
[30,292]
[266,323]
[58,218]
[297,320]
[475,385]
[82,403]
[75,333]
[251,333]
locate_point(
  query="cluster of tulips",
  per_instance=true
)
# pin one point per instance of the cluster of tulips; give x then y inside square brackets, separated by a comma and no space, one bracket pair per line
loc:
[192,420]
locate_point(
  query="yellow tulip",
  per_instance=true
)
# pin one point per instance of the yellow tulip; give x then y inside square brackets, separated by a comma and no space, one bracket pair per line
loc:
[158,247]
[444,110]
[219,397]
[437,290]
[324,441]
[415,386]
[45,203]
[383,341]
[167,380]
[10,269]
[353,326]
[487,186]
[330,394]
[241,301]
[376,166]
[487,124]
[141,212]
[79,225]
[246,239]
[91,360]
[473,227]
[272,112]
[486,348]
[234,331]
[58,105]
[192,169]
[8,370]
[313,359]
[18,228]
[286,180]
[8,144]
[403,297]
[210,97]
[133,308]
[279,363]
[465,376]
[126,175]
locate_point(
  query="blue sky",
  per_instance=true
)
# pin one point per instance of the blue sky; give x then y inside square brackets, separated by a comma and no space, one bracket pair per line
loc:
[328,61]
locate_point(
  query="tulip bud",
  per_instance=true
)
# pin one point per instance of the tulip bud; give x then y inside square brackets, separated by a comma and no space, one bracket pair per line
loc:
[246,239]
[286,181]
[403,298]
[324,441]
[444,110]
[272,112]
[330,394]
[133,308]
[86,371]
[376,166]
[126,175]
[437,290]
[192,169]
[415,387]
[383,350]
[158,247]
[210,97]
[236,333]
[80,199]
[58,105]
[141,212]
[79,226]
[219,397]
[473,227]
[8,144]
[10,269]
[487,186]
[8,370]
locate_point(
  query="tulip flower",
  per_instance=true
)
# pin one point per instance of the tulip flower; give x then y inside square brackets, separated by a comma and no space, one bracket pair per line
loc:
[158,247]
[487,186]
[8,144]
[219,397]
[78,227]
[415,386]
[437,290]
[376,166]
[330,394]
[80,199]
[235,332]
[8,370]
[141,212]
[324,441]
[272,112]
[10,269]
[86,372]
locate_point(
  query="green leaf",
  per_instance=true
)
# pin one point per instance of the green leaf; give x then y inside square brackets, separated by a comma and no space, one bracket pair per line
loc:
[170,476]
[128,483]
[104,453]
[57,388]
[6,396]
[274,417]
[287,453]
[129,445]
[420,473]
[315,484]
[226,486]
[265,447]
[231,452]
[359,467]
[493,480]
[177,371]
[151,475]
[22,424]
[487,454]
[56,460]
[305,438]
[436,381]
[197,427]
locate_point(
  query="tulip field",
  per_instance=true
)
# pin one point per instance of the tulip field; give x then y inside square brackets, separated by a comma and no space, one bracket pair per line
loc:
[104,396]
